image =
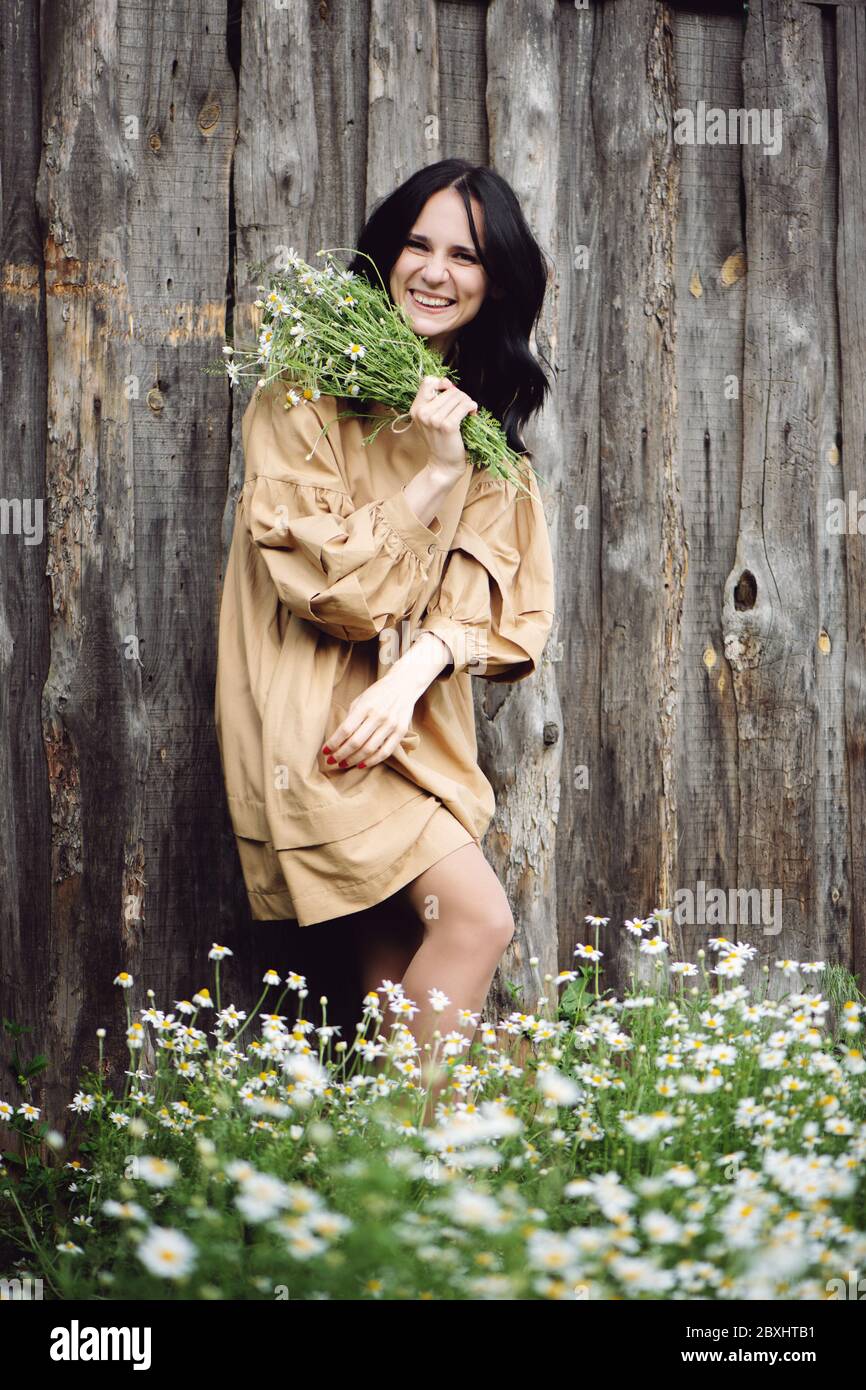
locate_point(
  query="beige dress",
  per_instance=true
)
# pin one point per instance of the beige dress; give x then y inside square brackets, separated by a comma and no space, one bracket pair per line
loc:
[330,575]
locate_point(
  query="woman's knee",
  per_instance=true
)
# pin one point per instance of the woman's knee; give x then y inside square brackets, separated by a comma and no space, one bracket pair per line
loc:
[502,928]
[462,898]
[487,926]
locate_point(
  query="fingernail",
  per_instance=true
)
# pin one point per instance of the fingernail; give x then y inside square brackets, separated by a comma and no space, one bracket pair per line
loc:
[326,749]
[332,760]
[362,764]
[342,764]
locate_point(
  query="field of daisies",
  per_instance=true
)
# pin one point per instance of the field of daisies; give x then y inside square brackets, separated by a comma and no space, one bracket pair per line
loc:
[691,1140]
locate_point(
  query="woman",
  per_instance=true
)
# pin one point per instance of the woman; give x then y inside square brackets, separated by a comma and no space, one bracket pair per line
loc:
[365,585]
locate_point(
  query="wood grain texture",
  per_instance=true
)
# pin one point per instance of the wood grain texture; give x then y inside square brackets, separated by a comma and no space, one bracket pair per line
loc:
[710,297]
[138,132]
[847,899]
[771,610]
[520,725]
[579,287]
[25,807]
[643,547]
[402,93]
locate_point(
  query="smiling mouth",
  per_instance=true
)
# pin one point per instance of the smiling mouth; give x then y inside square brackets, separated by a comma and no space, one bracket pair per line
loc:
[431,308]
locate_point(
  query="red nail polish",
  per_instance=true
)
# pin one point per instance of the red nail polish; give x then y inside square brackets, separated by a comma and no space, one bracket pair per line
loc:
[344,763]
[362,764]
[332,760]
[326,749]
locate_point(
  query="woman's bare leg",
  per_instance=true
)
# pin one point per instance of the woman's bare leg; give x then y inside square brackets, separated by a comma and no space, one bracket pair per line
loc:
[467,924]
[386,941]
[384,947]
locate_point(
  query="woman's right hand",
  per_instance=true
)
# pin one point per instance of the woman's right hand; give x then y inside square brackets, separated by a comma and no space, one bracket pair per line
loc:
[438,409]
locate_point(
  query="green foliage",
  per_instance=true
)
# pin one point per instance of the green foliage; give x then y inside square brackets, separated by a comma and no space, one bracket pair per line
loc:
[688,1140]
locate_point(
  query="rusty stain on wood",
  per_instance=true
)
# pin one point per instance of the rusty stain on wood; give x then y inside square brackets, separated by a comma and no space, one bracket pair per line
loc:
[19,281]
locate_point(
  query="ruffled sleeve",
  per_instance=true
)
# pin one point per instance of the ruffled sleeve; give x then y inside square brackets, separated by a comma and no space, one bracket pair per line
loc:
[495,604]
[350,570]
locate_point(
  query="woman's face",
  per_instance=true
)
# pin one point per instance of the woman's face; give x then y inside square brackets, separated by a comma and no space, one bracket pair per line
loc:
[439,262]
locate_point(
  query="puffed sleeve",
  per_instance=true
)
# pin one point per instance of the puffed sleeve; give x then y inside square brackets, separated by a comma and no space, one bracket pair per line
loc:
[350,570]
[495,604]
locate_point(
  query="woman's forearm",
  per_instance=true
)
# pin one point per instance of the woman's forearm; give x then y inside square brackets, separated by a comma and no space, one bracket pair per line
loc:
[428,489]
[419,666]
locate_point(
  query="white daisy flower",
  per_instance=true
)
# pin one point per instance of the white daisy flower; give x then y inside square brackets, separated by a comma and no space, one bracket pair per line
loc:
[556,1088]
[653,946]
[156,1172]
[166,1253]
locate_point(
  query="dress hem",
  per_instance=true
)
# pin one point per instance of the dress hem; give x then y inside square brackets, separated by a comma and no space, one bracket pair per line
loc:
[441,835]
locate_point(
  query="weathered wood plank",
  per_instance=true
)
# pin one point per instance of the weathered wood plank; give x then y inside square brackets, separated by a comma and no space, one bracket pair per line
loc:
[132,193]
[341,71]
[25,825]
[581,873]
[403,93]
[771,611]
[643,556]
[831,922]
[520,725]
[850,260]
[710,267]
[460,29]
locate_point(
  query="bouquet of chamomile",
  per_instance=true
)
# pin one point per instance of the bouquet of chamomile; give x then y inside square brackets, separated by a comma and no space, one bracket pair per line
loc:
[332,332]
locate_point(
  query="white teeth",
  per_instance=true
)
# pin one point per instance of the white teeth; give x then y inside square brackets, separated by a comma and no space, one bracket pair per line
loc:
[432,303]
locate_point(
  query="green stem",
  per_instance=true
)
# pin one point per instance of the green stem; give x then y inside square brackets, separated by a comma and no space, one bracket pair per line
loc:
[34,1243]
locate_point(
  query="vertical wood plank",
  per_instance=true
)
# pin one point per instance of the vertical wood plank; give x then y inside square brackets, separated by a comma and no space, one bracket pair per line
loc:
[25,824]
[520,725]
[581,872]
[462,80]
[830,926]
[138,131]
[710,268]
[771,608]
[850,260]
[643,556]
[403,95]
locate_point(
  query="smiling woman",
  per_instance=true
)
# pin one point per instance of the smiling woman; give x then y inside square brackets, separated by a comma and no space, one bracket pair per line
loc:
[441,283]
[352,776]
[457,230]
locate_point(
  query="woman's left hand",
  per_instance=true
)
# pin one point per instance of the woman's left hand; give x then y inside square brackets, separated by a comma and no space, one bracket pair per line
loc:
[375,723]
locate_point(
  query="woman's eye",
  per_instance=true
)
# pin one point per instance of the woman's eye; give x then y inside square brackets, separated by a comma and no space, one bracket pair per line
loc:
[416,246]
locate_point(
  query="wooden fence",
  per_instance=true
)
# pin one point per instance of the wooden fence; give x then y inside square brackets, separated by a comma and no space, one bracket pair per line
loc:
[701,716]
